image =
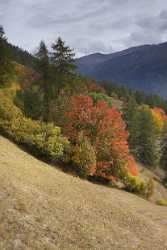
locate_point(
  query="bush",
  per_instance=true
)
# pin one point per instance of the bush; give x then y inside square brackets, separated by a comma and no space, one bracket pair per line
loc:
[84,157]
[100,97]
[53,143]
[165,182]
[41,138]
[133,184]
[30,100]
[150,189]
[162,202]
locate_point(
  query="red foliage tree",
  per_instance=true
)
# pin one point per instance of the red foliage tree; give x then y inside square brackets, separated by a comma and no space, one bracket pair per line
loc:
[94,87]
[106,130]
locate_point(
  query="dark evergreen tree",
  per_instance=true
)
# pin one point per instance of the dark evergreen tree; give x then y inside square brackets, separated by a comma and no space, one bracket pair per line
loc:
[6,65]
[44,70]
[2,33]
[129,111]
[63,57]
[164,152]
[129,114]
[63,67]
[144,138]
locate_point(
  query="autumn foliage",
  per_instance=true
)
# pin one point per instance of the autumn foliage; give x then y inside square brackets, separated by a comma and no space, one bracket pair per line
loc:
[160,119]
[107,134]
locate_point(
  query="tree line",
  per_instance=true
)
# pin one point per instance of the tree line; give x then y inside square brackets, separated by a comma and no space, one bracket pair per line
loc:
[95,138]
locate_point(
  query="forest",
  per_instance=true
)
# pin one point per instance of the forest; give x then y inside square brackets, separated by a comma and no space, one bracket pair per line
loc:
[65,118]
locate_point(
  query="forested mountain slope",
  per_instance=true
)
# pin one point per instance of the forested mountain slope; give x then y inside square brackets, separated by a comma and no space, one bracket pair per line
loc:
[142,68]
[21,56]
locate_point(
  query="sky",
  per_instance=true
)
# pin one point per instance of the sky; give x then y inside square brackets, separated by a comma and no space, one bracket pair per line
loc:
[87,26]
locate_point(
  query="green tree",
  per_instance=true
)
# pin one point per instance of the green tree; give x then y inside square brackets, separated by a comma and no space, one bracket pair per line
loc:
[164,152]
[44,69]
[144,137]
[6,66]
[100,97]
[63,57]
[2,32]
[129,111]
[63,67]
[129,114]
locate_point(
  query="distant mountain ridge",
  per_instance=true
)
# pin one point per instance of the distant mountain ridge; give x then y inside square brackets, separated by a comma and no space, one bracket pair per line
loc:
[142,68]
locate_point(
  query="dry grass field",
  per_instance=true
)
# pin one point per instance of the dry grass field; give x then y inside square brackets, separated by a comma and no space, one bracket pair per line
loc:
[42,208]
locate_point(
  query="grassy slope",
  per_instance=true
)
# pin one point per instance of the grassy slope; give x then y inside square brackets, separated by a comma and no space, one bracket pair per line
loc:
[43,208]
[160,192]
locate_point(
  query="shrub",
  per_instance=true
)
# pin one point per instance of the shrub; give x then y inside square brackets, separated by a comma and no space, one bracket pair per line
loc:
[165,182]
[54,144]
[134,184]
[30,100]
[43,139]
[150,189]
[162,202]
[83,156]
[101,97]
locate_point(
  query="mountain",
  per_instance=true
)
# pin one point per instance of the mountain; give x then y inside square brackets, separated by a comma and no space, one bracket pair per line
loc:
[142,68]
[44,208]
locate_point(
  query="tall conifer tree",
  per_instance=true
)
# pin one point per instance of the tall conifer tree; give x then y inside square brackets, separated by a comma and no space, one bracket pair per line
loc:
[43,68]
[63,67]
[6,65]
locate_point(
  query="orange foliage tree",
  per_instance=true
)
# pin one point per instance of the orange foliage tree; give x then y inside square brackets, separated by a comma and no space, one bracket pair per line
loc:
[160,119]
[107,133]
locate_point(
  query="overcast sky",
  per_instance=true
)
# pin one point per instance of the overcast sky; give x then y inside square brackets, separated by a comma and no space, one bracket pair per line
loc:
[86,25]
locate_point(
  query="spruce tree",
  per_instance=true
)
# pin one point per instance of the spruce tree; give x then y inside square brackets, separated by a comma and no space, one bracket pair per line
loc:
[164,152]
[145,138]
[43,68]
[63,57]
[63,67]
[129,115]
[6,65]
[2,33]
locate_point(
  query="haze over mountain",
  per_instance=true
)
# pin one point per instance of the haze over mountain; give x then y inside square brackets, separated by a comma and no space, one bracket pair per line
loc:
[142,68]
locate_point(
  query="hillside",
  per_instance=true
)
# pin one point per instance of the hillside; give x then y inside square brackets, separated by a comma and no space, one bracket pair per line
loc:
[43,208]
[142,68]
[21,56]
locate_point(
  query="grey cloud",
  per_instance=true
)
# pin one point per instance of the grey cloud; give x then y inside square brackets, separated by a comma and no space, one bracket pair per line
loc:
[43,19]
[93,47]
[88,26]
[5,2]
[163,14]
[154,23]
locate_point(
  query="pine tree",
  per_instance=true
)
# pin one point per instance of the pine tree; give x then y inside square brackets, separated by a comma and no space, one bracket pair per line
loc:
[43,58]
[63,57]
[43,68]
[145,138]
[129,111]
[63,67]
[6,66]
[129,115]
[2,33]
[164,152]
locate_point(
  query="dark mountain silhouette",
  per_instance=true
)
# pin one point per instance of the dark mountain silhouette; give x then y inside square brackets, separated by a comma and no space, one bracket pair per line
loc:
[142,68]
